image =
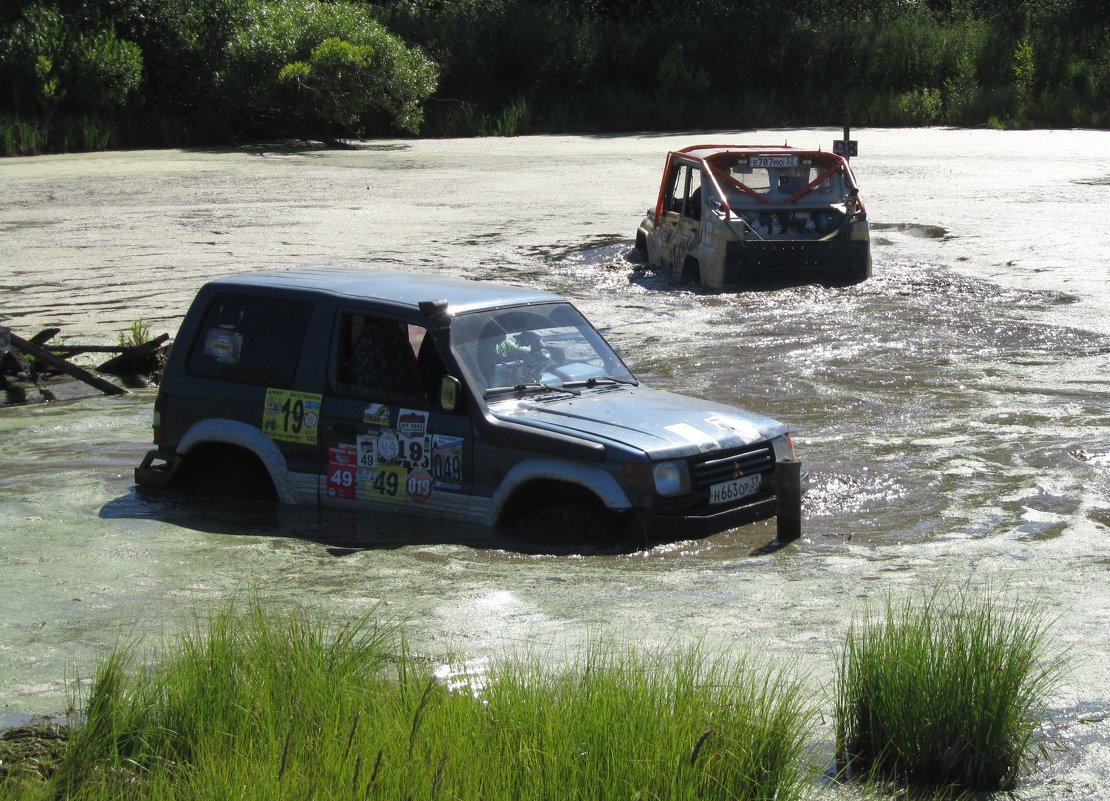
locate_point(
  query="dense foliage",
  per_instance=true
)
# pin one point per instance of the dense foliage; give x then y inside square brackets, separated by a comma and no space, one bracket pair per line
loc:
[179,71]
[167,72]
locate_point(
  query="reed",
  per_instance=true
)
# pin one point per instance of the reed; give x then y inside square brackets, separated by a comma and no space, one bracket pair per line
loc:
[944,692]
[20,137]
[256,706]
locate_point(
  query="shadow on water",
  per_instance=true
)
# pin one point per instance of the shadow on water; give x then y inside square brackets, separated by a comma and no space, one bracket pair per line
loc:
[344,533]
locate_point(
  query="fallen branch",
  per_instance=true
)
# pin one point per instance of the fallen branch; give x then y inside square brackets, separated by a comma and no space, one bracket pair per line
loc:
[60,364]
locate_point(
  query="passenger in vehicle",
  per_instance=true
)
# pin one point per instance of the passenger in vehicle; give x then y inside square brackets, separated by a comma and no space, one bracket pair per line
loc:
[382,360]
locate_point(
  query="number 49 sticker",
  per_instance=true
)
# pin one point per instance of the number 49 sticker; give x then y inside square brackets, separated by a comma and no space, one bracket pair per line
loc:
[291,416]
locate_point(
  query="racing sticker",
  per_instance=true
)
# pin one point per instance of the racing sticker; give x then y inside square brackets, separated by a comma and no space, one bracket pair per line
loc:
[416,451]
[396,465]
[367,451]
[223,345]
[376,414]
[389,448]
[704,441]
[412,424]
[418,486]
[742,428]
[447,454]
[342,472]
[291,416]
[385,483]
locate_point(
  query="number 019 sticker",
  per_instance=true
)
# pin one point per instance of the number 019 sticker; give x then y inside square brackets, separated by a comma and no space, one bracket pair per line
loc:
[291,416]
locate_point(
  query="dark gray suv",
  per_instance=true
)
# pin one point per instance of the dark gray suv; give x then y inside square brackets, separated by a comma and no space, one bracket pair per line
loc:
[372,390]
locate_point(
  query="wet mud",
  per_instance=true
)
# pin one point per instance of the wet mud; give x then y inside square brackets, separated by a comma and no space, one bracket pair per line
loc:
[953,410]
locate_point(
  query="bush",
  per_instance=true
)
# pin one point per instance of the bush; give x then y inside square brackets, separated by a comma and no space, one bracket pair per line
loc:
[329,65]
[55,65]
[34,55]
[106,71]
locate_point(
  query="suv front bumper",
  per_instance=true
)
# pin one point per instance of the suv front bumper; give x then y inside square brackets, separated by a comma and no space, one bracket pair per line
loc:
[707,520]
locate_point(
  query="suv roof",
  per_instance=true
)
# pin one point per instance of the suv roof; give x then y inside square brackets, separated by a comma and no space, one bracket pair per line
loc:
[711,152]
[396,288]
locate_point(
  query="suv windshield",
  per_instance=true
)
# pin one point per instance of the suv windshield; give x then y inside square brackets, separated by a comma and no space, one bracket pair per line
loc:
[533,347]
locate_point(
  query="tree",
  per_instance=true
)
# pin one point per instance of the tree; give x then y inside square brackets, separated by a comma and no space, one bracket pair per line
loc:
[323,65]
[54,64]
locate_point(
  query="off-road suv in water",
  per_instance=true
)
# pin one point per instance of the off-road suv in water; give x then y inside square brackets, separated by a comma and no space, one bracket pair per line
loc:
[380,391]
[750,215]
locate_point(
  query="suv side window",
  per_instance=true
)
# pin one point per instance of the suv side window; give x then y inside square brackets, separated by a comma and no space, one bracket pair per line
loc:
[693,195]
[684,193]
[251,340]
[376,358]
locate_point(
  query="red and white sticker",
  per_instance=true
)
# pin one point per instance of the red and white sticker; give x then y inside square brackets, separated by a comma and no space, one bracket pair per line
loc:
[419,485]
[342,473]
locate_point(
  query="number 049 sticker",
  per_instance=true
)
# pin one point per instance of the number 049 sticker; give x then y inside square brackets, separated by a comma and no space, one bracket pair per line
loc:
[291,416]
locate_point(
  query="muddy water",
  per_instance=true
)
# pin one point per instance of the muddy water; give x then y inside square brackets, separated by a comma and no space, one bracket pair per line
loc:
[953,410]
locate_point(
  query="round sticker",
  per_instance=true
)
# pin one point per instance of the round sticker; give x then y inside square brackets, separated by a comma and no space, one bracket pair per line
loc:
[388,446]
[419,485]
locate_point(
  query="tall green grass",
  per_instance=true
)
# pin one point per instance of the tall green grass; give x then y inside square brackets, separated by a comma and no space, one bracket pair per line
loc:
[944,691]
[253,706]
[19,137]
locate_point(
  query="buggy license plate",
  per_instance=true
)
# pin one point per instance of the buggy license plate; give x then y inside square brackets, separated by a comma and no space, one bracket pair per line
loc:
[734,490]
[773,161]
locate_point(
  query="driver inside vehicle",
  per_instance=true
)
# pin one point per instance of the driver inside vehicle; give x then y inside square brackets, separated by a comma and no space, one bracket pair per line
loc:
[522,356]
[528,345]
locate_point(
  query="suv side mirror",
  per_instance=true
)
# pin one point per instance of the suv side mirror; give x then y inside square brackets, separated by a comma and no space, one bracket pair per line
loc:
[449,393]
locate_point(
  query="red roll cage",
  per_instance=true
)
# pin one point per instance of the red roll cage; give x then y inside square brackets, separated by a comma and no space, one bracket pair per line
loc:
[707,155]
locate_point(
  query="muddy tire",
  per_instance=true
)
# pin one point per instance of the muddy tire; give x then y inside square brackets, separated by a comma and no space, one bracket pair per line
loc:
[564,522]
[691,270]
[239,476]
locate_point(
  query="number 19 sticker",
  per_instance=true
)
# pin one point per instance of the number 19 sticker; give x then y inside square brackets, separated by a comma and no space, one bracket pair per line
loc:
[291,416]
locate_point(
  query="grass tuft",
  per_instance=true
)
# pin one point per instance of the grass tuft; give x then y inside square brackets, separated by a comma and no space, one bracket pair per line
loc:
[944,692]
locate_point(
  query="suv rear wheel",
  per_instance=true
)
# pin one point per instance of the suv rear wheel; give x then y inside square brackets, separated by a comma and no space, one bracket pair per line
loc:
[227,472]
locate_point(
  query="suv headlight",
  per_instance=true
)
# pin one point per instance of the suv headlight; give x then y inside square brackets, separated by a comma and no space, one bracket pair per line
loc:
[671,478]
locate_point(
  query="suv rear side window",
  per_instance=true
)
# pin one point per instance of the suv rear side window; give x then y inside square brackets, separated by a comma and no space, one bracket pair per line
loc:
[251,340]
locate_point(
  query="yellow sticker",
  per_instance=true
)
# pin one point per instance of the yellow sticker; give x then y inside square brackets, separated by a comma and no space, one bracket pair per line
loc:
[385,483]
[291,416]
[376,415]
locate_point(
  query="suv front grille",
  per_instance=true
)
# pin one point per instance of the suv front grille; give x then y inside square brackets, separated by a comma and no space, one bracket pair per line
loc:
[705,474]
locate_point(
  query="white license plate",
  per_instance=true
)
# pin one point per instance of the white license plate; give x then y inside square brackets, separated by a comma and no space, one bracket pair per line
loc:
[774,161]
[734,490]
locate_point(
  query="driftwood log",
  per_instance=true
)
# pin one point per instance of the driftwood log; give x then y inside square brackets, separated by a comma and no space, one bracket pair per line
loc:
[127,361]
[62,366]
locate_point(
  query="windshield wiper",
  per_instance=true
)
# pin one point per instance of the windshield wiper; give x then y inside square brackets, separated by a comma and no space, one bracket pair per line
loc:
[593,382]
[597,381]
[531,386]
